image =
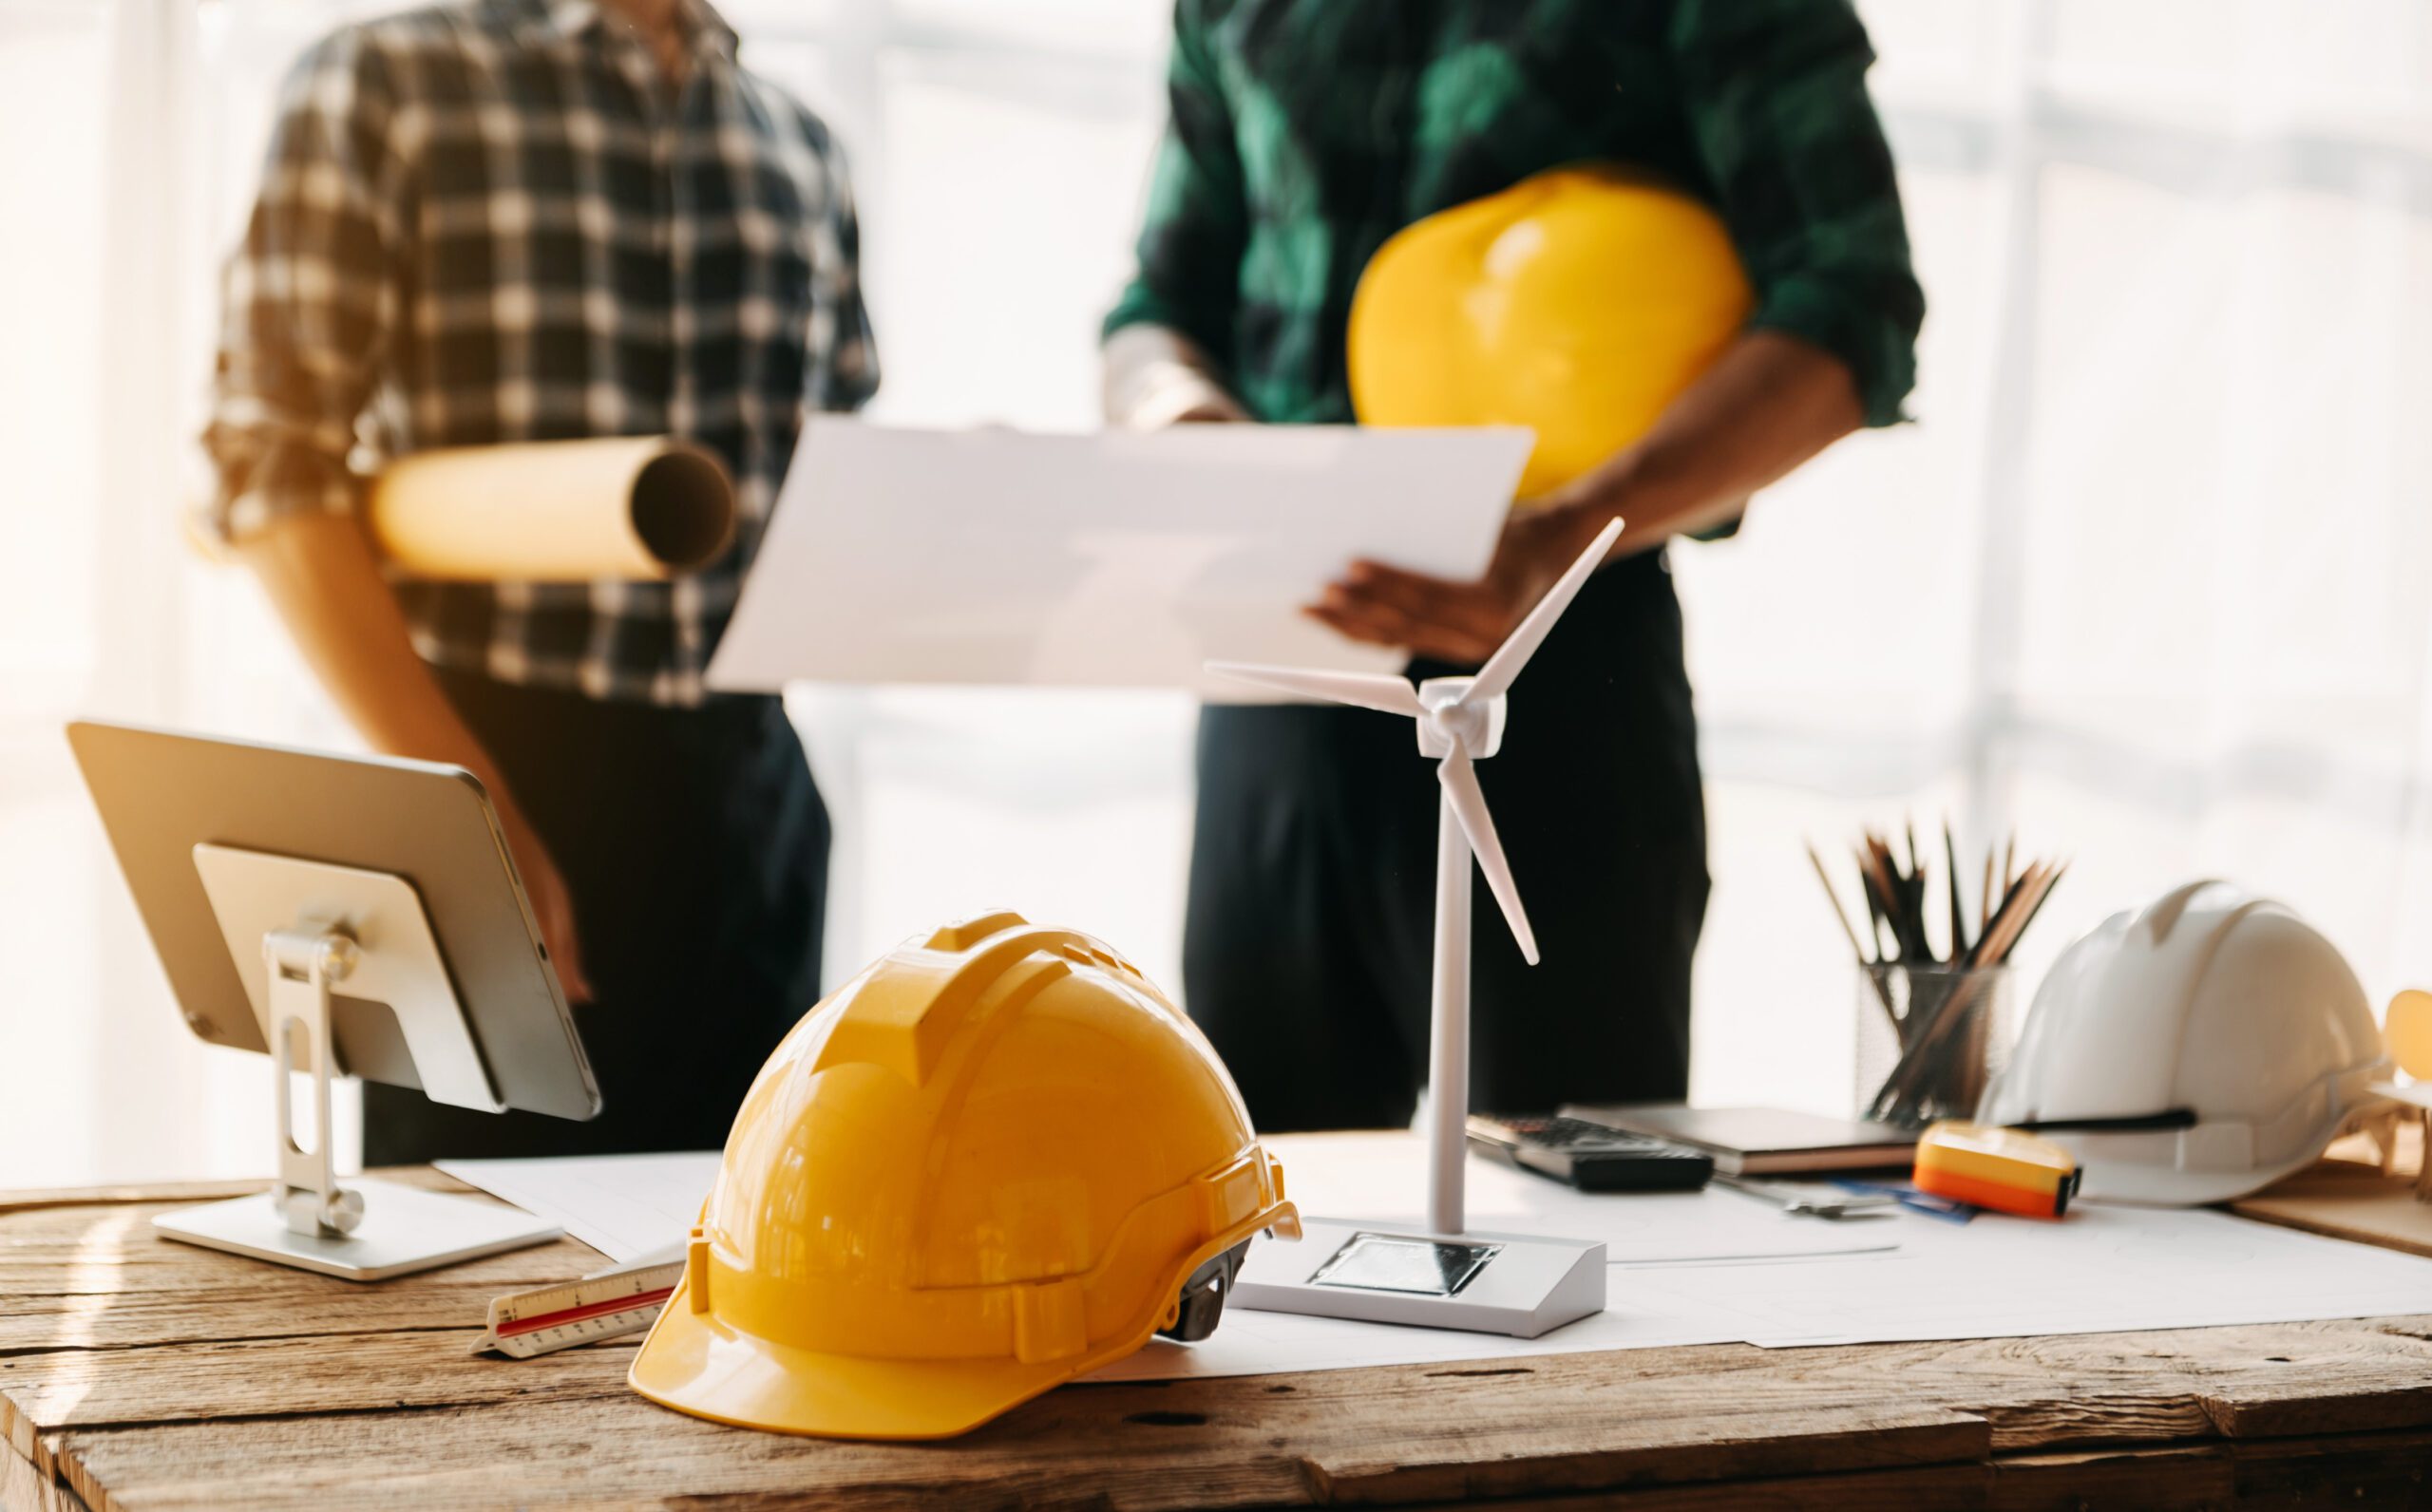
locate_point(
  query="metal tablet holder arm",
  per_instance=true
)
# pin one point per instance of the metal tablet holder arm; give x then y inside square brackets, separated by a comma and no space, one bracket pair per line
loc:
[296,931]
[300,964]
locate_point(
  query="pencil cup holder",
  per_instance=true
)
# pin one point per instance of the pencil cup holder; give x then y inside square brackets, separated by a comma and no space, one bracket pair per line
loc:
[1928,1040]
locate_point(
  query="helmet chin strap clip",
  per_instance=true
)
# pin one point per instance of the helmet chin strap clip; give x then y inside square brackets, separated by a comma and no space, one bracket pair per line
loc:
[1201,1301]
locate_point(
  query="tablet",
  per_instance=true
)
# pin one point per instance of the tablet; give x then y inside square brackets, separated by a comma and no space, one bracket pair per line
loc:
[162,794]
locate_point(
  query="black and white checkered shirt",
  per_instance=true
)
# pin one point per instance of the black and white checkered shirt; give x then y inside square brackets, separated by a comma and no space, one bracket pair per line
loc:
[492,221]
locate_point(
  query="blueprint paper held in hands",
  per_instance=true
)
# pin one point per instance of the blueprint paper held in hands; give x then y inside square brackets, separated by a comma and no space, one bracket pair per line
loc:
[1121,560]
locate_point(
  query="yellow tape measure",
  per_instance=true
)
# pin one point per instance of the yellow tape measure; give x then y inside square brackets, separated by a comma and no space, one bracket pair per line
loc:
[2005,1169]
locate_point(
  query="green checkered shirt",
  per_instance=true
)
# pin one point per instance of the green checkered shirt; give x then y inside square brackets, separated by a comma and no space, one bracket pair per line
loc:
[1305,132]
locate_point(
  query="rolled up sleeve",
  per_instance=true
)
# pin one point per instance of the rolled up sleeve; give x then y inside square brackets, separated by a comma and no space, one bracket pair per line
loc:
[310,298]
[1197,222]
[1777,105]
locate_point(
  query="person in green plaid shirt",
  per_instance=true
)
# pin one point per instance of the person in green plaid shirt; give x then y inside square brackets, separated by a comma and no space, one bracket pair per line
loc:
[1304,133]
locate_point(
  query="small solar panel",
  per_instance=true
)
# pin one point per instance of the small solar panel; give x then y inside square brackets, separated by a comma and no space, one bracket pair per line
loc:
[1388,1263]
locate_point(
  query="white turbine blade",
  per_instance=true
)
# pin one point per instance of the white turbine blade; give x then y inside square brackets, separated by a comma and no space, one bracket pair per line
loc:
[1461,779]
[1389,696]
[1502,668]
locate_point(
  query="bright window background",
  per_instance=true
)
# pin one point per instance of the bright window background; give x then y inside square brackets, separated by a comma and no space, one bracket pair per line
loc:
[2144,581]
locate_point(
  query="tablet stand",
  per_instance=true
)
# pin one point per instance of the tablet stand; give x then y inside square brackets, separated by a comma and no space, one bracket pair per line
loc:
[296,929]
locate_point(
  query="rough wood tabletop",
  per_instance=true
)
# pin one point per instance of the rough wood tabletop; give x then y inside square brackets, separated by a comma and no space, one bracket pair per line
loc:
[139,1373]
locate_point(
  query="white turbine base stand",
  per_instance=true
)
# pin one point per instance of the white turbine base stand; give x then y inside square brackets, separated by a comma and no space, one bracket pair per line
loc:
[403,1229]
[1530,1285]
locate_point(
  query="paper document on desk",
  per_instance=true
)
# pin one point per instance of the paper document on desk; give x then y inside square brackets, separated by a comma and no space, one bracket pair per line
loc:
[625,1206]
[1648,1236]
[628,1206]
[2101,1269]
[1904,1276]
[1711,1267]
[1117,560]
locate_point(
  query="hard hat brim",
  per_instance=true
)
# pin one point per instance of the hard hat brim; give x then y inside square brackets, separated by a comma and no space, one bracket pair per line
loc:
[2138,1185]
[697,1365]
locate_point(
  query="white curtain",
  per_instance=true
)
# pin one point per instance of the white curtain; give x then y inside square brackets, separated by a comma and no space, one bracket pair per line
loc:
[2142,582]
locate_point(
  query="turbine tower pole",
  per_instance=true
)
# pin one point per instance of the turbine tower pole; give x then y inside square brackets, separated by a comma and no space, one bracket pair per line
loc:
[1448,1053]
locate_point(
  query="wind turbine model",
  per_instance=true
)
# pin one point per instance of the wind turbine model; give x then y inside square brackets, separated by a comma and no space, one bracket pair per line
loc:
[1445,1277]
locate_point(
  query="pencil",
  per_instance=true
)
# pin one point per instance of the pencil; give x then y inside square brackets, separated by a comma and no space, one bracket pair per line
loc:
[1958,917]
[2051,880]
[1866,962]
[1881,902]
[1835,899]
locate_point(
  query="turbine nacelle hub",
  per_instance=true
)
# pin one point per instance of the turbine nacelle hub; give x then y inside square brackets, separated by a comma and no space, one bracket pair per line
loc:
[1477,725]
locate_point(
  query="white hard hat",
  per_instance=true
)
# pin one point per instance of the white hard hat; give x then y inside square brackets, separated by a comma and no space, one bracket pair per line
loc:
[2194,1052]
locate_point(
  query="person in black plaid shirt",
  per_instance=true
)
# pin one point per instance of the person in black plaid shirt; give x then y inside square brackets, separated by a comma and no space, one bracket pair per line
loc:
[512,220]
[1303,134]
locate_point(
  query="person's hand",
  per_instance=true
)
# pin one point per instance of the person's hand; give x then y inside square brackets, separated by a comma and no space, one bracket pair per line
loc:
[551,904]
[1212,409]
[1459,622]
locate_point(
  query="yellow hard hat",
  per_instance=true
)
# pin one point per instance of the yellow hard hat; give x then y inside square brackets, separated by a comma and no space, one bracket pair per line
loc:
[995,1160]
[1579,302]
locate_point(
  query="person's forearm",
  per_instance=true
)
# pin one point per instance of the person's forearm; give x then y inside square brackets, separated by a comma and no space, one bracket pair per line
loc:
[1771,403]
[321,577]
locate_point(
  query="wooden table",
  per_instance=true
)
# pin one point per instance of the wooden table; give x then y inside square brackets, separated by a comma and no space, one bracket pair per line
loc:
[135,1372]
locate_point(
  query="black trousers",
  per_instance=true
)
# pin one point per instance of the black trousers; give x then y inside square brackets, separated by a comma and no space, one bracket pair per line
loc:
[1310,942]
[695,846]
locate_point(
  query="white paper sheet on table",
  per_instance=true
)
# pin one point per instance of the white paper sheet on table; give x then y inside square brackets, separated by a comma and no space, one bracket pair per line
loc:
[1381,1179]
[628,1205]
[1378,1178]
[1118,559]
[1714,1267]
[2103,1270]
[625,1206]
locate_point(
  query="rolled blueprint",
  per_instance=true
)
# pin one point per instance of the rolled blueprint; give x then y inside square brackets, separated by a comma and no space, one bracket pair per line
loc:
[646,507]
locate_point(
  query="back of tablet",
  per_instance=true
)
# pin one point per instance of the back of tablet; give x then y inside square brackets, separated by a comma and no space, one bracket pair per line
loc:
[160,794]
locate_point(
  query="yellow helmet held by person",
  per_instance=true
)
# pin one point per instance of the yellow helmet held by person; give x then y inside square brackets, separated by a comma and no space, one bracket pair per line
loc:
[1579,303]
[995,1160]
